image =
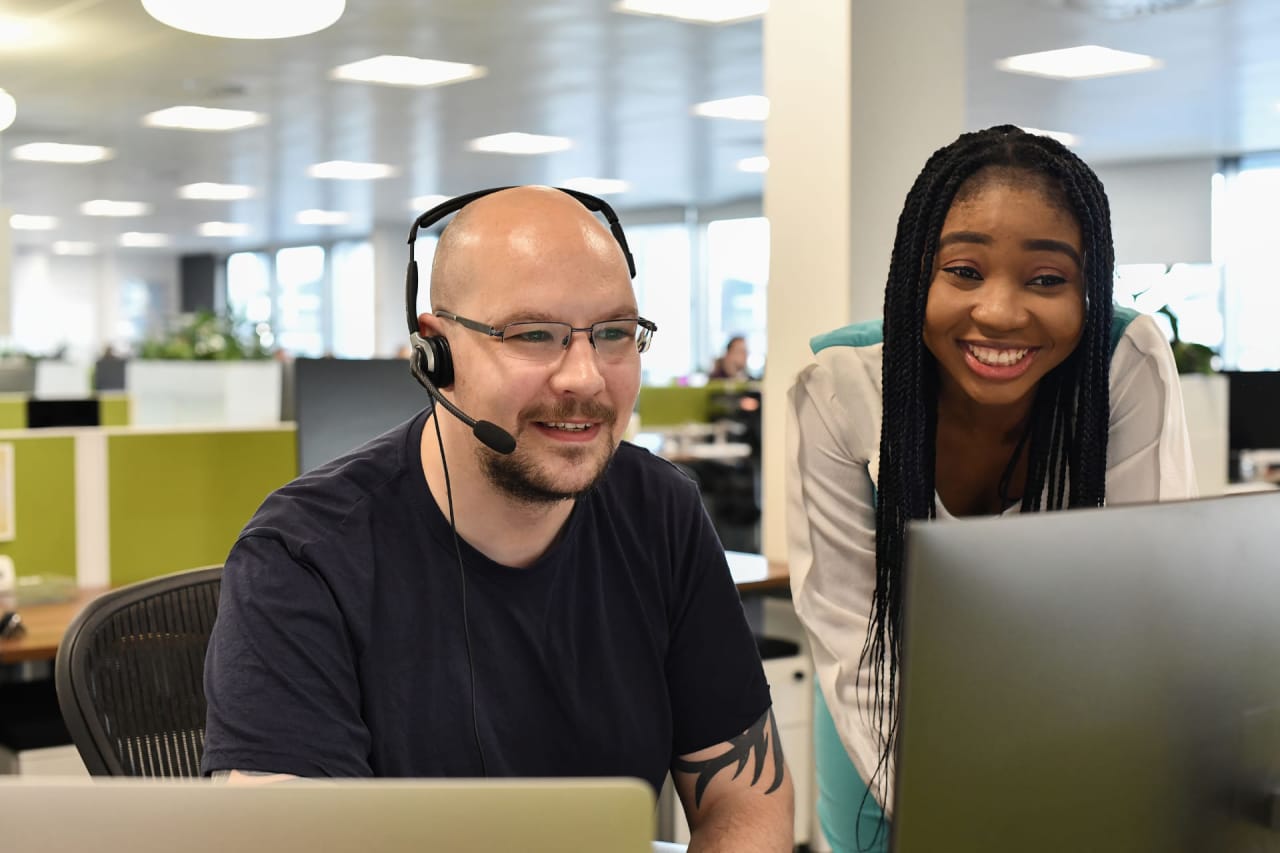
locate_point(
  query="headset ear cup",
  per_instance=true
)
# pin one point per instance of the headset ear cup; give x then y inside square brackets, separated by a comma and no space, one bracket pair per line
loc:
[432,358]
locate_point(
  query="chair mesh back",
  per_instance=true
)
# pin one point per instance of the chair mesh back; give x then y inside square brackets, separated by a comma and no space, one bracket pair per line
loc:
[136,667]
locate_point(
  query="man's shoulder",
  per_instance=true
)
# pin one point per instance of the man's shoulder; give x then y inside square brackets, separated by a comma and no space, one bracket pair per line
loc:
[319,502]
[634,469]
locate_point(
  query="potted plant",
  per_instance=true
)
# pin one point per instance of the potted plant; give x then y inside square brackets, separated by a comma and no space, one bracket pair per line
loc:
[211,370]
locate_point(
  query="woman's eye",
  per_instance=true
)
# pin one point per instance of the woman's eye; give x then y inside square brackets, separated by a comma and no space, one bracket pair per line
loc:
[963,272]
[1048,280]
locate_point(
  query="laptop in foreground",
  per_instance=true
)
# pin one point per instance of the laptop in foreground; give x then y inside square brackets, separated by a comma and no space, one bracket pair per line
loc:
[348,816]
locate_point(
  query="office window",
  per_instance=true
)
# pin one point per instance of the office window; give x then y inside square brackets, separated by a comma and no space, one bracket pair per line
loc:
[249,286]
[664,293]
[352,300]
[1246,222]
[737,275]
[1192,292]
[300,322]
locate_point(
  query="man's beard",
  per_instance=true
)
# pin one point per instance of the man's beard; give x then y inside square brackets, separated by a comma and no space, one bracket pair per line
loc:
[519,476]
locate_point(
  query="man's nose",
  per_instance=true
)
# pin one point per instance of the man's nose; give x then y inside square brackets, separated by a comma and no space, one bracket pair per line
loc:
[579,369]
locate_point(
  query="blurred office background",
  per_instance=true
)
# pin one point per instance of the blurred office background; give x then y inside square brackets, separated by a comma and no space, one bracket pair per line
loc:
[156,182]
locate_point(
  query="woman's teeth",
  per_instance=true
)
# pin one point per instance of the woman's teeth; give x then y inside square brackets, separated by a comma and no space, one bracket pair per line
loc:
[997,357]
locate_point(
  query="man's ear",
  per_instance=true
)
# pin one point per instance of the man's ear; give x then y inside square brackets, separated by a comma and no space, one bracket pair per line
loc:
[430,324]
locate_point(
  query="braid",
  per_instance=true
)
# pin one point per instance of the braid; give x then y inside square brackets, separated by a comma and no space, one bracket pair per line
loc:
[1067,433]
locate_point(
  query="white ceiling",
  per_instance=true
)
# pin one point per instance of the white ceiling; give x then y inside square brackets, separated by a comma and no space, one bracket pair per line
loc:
[620,85]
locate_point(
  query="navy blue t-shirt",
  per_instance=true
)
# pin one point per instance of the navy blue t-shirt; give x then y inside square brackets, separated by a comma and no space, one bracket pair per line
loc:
[340,650]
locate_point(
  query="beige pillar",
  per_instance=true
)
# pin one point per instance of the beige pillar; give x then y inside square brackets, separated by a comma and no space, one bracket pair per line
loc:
[860,93]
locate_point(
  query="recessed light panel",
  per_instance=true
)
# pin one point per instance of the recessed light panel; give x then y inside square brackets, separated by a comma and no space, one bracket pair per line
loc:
[106,207]
[28,222]
[74,247]
[1078,63]
[423,203]
[348,170]
[520,143]
[744,108]
[753,164]
[223,229]
[323,217]
[143,240]
[60,152]
[203,118]
[246,19]
[216,192]
[697,11]
[407,71]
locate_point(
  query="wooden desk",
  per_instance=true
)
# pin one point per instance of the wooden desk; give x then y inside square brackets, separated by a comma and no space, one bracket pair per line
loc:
[45,623]
[778,578]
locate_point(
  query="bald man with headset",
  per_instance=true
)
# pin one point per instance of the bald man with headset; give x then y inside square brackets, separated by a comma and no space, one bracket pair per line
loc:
[511,590]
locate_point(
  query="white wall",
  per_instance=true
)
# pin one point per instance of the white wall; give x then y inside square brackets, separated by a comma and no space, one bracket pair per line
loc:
[1160,211]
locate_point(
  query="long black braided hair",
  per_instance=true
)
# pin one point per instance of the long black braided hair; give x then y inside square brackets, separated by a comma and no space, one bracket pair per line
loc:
[1066,438]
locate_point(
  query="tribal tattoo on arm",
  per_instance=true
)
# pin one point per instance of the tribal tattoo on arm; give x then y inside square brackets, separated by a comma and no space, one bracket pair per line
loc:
[756,742]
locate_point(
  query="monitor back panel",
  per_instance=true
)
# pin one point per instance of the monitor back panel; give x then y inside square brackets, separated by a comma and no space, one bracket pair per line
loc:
[1102,680]
[397,816]
[339,404]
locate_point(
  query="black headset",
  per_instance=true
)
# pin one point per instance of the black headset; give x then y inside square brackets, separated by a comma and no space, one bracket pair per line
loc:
[430,362]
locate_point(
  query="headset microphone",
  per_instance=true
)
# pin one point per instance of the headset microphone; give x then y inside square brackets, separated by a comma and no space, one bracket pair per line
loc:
[488,433]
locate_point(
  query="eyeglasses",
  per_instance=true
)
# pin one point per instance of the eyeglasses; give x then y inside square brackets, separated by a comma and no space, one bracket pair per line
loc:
[614,340]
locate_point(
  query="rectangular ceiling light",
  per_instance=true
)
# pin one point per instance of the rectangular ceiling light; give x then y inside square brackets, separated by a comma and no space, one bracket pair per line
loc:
[697,11]
[597,186]
[1065,138]
[105,207]
[223,229]
[60,152]
[743,108]
[1078,63]
[407,71]
[520,143]
[74,247]
[203,118]
[216,192]
[143,240]
[322,217]
[423,203]
[753,164]
[347,170]
[28,222]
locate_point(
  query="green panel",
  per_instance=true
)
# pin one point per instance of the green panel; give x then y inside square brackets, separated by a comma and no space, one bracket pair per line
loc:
[13,411]
[113,409]
[671,405]
[178,500]
[44,492]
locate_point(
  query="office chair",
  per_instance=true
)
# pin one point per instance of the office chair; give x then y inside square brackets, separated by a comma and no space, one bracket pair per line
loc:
[130,676]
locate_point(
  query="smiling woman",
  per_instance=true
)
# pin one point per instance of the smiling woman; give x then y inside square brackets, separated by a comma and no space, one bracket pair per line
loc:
[1001,380]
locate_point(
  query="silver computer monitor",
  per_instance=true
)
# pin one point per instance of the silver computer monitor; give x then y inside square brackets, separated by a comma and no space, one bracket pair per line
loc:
[1101,680]
[350,816]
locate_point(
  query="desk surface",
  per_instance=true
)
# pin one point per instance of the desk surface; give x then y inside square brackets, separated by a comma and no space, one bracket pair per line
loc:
[45,625]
